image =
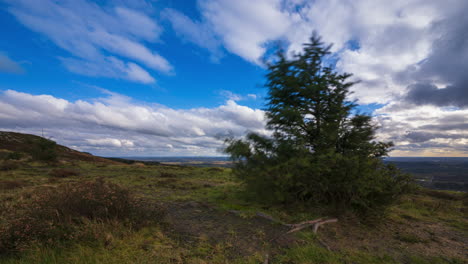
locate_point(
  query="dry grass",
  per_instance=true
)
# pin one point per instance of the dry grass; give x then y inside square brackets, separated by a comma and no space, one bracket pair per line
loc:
[12,184]
[55,214]
[9,165]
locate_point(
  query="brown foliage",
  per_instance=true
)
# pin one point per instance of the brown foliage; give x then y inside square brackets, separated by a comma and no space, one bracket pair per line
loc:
[8,165]
[57,214]
[167,175]
[11,184]
[63,173]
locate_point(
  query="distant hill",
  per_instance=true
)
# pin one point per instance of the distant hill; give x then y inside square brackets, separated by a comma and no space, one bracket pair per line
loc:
[440,173]
[24,143]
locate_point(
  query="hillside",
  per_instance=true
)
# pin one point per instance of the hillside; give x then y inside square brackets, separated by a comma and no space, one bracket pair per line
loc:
[159,213]
[25,143]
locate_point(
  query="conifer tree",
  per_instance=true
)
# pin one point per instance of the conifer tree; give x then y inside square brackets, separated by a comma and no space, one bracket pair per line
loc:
[320,151]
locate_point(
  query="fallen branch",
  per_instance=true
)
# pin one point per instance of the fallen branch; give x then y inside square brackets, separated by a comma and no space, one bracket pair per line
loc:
[298,227]
[317,225]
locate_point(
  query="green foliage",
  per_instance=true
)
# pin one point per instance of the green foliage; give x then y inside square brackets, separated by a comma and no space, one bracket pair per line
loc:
[320,152]
[44,150]
[58,214]
[14,156]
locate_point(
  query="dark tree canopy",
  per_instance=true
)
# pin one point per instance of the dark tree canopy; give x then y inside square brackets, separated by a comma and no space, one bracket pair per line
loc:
[320,151]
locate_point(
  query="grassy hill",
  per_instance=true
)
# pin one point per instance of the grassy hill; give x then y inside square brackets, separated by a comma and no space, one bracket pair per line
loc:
[26,143]
[85,209]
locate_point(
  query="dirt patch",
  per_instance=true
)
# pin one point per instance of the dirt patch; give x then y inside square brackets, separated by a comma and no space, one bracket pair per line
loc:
[192,221]
[397,239]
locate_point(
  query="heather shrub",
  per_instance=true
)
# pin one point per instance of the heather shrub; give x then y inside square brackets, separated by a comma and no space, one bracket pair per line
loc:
[12,184]
[8,165]
[63,173]
[60,214]
[14,156]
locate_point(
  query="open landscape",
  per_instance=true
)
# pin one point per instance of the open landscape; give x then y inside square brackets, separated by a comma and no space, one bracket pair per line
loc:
[233,131]
[204,216]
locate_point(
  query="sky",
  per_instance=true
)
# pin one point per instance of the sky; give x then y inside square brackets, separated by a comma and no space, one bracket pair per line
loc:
[174,78]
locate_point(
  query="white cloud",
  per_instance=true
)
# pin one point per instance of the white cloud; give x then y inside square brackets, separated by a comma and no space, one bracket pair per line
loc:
[197,32]
[388,37]
[252,96]
[245,26]
[108,67]
[424,130]
[90,32]
[110,142]
[115,125]
[388,45]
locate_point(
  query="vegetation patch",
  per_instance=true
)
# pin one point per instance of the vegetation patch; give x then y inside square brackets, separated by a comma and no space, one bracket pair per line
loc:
[63,173]
[9,165]
[12,184]
[320,153]
[57,214]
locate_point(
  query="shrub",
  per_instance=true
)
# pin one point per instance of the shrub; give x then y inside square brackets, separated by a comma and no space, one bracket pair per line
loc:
[58,214]
[63,173]
[12,184]
[14,156]
[167,175]
[44,150]
[8,165]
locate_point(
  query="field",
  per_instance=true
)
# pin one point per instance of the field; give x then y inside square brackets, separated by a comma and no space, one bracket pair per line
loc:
[436,173]
[209,219]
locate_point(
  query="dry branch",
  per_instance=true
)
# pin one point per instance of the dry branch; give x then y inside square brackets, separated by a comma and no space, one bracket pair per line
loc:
[316,223]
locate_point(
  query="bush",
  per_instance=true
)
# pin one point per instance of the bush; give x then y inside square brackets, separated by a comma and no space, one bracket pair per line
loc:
[60,213]
[334,182]
[63,173]
[44,150]
[14,156]
[8,165]
[12,184]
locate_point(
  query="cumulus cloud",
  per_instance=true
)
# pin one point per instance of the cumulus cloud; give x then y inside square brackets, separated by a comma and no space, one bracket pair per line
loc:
[90,33]
[377,41]
[410,56]
[429,93]
[115,124]
[441,78]
[424,130]
[9,66]
[110,142]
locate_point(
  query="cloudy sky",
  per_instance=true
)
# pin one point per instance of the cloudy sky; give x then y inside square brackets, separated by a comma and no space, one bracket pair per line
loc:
[169,78]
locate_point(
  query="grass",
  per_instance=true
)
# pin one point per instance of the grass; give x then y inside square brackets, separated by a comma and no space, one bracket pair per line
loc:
[424,227]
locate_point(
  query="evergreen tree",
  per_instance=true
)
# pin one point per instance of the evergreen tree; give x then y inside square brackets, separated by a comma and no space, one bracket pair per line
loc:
[319,152]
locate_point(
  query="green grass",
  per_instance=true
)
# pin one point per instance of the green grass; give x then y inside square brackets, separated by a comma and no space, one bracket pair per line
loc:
[217,187]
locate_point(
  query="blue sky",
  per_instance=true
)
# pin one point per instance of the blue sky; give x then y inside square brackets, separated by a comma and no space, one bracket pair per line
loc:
[110,76]
[195,82]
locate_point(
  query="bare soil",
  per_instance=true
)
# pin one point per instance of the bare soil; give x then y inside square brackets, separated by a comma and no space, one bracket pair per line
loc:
[192,221]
